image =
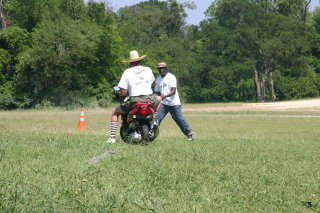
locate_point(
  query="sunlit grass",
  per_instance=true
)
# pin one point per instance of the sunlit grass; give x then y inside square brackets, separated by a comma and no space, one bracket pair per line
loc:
[205,105]
[240,162]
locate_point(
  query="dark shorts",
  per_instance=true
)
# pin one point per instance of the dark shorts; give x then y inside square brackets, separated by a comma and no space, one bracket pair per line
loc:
[126,106]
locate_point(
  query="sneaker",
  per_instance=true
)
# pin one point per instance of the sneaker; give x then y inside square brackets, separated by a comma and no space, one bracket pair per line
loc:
[111,140]
[190,137]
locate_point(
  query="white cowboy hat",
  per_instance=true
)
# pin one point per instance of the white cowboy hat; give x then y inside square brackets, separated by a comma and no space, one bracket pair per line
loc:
[134,56]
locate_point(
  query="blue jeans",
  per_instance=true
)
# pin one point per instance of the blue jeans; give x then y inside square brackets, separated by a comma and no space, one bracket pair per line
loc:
[177,116]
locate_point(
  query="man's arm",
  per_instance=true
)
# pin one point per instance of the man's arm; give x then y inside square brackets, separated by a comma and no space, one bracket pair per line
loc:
[123,83]
[173,91]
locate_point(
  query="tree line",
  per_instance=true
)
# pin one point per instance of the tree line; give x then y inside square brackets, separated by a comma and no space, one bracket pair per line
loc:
[70,52]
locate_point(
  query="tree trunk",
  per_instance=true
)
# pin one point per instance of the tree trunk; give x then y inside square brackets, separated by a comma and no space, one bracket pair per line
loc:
[273,96]
[305,11]
[263,87]
[3,19]
[258,84]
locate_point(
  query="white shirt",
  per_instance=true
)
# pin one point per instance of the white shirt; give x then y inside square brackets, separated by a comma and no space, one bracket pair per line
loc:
[164,86]
[137,80]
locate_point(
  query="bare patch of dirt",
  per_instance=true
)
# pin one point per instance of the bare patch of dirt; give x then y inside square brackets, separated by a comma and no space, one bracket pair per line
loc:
[299,105]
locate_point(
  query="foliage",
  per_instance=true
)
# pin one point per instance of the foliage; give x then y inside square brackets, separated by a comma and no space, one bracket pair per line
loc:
[102,95]
[151,20]
[7,100]
[4,63]
[70,52]
[72,46]
[290,88]
[14,39]
[57,56]
[246,35]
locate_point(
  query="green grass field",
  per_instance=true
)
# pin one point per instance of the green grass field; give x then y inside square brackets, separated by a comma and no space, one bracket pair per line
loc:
[239,162]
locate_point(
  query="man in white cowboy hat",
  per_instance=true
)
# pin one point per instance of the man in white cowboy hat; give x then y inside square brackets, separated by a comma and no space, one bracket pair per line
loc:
[135,82]
[166,87]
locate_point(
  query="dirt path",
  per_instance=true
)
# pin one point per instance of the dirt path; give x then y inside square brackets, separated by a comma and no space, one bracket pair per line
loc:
[300,105]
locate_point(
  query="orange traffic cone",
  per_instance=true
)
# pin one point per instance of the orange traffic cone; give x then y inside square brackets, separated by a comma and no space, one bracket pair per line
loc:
[82,124]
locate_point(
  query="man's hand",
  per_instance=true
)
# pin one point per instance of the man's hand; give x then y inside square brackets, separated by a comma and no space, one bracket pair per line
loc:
[173,91]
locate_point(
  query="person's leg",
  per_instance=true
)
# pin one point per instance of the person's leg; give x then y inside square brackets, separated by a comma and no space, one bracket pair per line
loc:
[162,112]
[114,124]
[177,116]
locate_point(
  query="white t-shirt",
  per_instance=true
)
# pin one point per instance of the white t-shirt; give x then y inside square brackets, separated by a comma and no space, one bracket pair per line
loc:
[164,86]
[137,80]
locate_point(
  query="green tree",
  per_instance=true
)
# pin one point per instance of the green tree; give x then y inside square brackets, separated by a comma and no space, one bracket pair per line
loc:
[69,57]
[27,14]
[3,19]
[71,54]
[152,21]
[54,65]
[313,37]
[13,42]
[158,29]
[262,41]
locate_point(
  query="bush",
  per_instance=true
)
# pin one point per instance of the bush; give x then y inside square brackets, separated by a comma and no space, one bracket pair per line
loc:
[7,100]
[295,88]
[101,96]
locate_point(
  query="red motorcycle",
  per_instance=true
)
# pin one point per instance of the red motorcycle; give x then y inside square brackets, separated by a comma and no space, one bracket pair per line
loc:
[137,126]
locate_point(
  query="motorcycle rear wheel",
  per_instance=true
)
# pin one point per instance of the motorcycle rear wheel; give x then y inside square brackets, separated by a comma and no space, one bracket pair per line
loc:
[145,133]
[123,133]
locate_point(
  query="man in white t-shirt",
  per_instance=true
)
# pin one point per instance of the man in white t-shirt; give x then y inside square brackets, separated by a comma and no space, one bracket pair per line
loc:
[135,82]
[166,87]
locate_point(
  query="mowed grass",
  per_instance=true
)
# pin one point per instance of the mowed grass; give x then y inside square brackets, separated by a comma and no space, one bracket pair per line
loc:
[239,162]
